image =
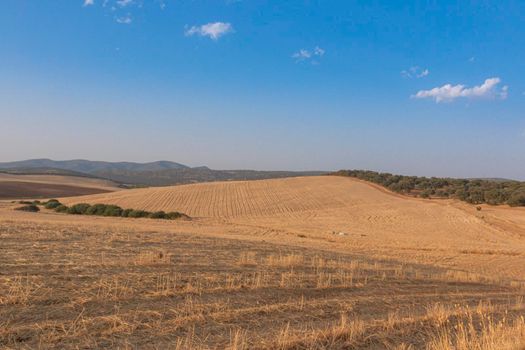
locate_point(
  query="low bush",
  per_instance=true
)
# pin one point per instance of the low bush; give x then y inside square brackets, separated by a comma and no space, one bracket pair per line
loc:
[96,209]
[517,199]
[112,210]
[138,214]
[30,208]
[125,213]
[61,209]
[78,209]
[52,204]
[157,215]
[109,210]
[172,215]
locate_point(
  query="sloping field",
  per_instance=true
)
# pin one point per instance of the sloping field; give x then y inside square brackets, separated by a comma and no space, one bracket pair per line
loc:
[282,197]
[355,213]
[45,186]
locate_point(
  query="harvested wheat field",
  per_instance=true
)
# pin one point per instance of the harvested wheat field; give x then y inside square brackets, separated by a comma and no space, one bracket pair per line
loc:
[299,263]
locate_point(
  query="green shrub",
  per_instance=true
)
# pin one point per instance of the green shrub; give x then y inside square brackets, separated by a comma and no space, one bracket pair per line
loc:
[138,214]
[157,215]
[517,199]
[425,194]
[172,215]
[125,213]
[112,210]
[52,204]
[78,209]
[474,191]
[61,209]
[96,209]
[25,202]
[30,208]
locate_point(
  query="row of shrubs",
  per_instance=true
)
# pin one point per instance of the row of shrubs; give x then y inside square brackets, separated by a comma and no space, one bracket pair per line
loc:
[475,191]
[101,210]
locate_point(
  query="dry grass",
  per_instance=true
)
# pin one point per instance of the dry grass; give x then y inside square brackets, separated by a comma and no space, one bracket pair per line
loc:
[196,292]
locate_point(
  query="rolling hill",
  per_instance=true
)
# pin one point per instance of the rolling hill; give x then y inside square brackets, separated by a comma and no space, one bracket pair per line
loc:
[91,167]
[159,173]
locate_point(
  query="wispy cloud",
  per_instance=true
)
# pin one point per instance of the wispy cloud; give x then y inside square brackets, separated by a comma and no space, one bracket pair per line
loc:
[127,19]
[212,30]
[309,55]
[415,72]
[88,2]
[449,92]
[124,3]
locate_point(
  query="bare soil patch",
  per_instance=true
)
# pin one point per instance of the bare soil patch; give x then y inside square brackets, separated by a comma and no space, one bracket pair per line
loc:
[20,190]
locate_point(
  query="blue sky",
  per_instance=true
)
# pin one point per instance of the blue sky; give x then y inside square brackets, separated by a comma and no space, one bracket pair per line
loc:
[424,88]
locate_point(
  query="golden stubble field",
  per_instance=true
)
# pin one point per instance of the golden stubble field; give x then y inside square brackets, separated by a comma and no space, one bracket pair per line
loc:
[300,263]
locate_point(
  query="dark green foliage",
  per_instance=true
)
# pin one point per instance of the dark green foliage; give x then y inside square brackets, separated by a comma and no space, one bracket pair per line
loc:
[61,209]
[473,191]
[52,204]
[30,207]
[125,213]
[78,209]
[157,215]
[96,209]
[173,215]
[25,202]
[517,199]
[138,214]
[112,210]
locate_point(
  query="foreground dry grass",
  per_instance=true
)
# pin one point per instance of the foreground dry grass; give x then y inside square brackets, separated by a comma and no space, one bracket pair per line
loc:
[80,285]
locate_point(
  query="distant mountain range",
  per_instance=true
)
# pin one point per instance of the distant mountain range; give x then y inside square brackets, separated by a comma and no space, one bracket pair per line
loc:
[160,173]
[90,167]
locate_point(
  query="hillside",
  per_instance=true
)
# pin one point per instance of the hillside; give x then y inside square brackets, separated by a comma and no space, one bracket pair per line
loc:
[159,173]
[91,167]
[317,206]
[194,175]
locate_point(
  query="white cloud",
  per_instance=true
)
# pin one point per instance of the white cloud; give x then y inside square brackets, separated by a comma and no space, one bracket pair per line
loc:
[448,92]
[309,55]
[124,3]
[213,30]
[88,2]
[302,55]
[318,51]
[415,72]
[124,19]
